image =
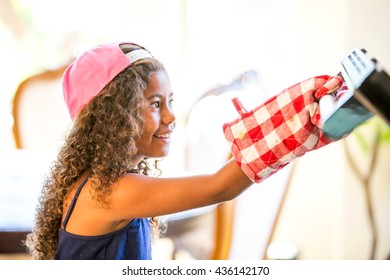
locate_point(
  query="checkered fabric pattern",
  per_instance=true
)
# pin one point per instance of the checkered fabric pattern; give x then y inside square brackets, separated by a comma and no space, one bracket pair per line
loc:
[285,127]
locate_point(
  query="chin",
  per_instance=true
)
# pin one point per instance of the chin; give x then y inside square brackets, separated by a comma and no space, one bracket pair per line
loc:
[161,154]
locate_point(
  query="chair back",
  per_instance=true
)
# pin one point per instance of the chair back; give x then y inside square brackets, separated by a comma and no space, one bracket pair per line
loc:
[207,150]
[40,115]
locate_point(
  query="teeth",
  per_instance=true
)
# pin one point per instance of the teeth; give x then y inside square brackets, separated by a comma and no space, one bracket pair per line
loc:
[163,135]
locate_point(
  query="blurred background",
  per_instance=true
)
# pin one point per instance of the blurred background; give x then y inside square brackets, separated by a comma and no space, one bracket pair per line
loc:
[333,203]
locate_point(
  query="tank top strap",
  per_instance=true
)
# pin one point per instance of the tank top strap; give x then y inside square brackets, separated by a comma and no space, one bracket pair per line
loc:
[73,203]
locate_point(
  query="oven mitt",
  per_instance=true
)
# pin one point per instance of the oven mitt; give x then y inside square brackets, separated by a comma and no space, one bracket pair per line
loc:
[285,127]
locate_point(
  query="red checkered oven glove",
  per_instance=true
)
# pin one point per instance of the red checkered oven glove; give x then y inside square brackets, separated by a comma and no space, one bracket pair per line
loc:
[285,127]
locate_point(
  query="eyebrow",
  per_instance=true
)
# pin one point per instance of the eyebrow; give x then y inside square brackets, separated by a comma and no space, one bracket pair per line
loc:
[158,95]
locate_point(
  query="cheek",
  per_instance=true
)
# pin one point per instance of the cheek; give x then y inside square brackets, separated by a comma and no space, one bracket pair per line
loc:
[147,132]
[150,126]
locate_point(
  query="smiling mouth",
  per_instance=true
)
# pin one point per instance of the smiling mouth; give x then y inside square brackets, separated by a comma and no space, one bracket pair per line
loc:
[163,136]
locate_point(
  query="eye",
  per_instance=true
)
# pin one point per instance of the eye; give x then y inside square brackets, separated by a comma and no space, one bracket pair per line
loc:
[171,103]
[155,105]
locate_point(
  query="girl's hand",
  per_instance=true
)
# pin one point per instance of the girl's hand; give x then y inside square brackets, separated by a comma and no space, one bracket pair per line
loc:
[285,127]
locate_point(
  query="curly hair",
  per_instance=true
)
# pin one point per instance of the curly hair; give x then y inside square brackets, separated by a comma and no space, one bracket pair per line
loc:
[102,143]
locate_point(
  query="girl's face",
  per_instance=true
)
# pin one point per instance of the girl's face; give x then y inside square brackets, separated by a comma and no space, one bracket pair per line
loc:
[159,117]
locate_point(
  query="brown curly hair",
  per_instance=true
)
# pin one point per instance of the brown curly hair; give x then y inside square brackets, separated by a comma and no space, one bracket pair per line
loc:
[102,143]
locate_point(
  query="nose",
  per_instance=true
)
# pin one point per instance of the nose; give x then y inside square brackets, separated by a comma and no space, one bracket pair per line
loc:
[169,117]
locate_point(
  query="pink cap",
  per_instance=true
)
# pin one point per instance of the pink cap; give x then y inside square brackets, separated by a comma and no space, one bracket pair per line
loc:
[92,71]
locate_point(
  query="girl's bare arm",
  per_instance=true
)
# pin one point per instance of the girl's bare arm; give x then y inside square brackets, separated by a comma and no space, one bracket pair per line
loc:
[141,196]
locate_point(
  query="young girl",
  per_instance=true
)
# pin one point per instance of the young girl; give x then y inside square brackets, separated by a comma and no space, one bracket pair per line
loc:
[99,200]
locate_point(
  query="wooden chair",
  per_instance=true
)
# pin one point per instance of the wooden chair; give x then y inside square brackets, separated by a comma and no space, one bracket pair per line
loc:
[205,152]
[40,122]
[39,112]
[210,227]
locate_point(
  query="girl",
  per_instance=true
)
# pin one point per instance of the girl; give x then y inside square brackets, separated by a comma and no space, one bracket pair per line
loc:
[98,201]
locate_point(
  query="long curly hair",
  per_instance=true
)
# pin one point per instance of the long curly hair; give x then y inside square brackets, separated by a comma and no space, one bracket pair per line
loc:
[102,143]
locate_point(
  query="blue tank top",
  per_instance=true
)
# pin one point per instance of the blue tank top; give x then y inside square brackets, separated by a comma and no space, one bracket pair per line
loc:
[133,242]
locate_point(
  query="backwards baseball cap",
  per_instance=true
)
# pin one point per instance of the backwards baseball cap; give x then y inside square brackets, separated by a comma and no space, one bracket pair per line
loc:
[85,78]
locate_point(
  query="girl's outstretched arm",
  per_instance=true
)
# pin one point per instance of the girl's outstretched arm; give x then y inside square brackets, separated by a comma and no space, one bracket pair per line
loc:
[141,196]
